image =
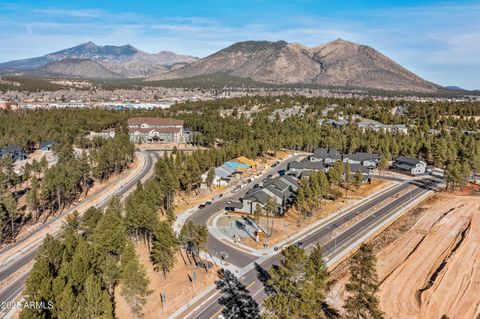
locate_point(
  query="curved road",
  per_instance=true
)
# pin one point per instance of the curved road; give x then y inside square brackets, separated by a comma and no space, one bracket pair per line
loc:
[25,256]
[202,216]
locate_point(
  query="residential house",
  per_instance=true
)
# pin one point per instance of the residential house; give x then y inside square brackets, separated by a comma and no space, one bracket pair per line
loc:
[47,146]
[366,159]
[282,190]
[410,165]
[107,133]
[326,155]
[16,153]
[223,175]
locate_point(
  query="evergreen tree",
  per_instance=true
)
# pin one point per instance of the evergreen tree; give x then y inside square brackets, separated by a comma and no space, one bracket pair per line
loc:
[362,287]
[163,248]
[96,301]
[210,177]
[236,299]
[134,281]
[298,286]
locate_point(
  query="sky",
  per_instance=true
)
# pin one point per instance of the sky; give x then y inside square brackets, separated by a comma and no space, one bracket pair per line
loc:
[438,40]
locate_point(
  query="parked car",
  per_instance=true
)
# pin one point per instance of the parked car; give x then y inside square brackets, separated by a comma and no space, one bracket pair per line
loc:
[201,206]
[208,203]
[299,244]
[229,202]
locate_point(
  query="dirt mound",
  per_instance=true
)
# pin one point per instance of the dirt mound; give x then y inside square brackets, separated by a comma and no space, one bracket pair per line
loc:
[433,267]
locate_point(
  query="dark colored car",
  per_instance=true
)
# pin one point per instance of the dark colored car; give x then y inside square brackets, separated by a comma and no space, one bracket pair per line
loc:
[299,244]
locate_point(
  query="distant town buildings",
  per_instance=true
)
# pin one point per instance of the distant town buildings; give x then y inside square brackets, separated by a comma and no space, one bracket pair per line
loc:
[376,126]
[366,124]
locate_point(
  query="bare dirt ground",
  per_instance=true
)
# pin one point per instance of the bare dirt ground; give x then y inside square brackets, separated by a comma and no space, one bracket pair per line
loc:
[428,262]
[176,285]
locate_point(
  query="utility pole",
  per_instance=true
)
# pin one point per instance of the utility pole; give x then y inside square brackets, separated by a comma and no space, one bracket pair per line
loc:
[194,282]
[163,296]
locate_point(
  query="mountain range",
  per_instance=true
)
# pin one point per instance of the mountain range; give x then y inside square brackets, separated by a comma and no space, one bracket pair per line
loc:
[89,60]
[338,63]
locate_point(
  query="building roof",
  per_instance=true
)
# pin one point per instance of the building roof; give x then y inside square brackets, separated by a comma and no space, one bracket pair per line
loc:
[358,167]
[47,144]
[154,121]
[360,156]
[108,130]
[155,129]
[244,160]
[318,166]
[292,181]
[259,196]
[236,204]
[11,149]
[407,160]
[236,164]
[222,173]
[326,153]
[404,166]
[229,168]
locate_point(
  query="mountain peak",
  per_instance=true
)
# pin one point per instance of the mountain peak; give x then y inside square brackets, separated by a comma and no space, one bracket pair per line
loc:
[88,44]
[338,63]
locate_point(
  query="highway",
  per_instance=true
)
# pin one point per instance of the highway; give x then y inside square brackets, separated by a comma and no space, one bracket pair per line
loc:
[27,255]
[335,237]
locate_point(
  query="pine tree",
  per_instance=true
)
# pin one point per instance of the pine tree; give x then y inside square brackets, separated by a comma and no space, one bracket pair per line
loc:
[163,248]
[96,301]
[210,177]
[298,286]
[357,179]
[286,282]
[362,287]
[236,299]
[134,281]
[109,236]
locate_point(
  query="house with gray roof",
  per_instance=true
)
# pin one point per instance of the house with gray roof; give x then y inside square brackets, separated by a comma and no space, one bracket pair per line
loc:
[326,155]
[410,165]
[15,152]
[366,159]
[282,190]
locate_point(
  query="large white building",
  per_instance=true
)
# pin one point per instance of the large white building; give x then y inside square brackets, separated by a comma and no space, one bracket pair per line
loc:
[152,130]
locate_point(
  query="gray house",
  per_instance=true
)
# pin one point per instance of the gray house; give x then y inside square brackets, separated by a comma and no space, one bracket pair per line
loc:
[366,159]
[16,153]
[410,165]
[326,155]
[47,146]
[282,190]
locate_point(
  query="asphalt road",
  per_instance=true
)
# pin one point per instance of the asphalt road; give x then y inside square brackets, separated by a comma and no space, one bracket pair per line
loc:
[332,245]
[201,216]
[9,293]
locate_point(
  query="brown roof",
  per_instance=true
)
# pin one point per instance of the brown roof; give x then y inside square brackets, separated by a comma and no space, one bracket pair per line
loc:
[159,130]
[154,121]
[108,130]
